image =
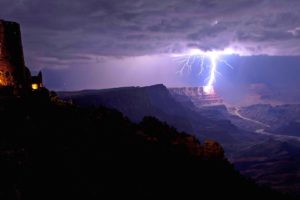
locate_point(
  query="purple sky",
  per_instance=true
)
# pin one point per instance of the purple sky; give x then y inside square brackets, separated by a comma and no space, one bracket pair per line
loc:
[109,43]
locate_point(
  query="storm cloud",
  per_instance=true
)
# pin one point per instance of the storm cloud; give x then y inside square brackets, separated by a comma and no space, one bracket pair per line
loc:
[60,32]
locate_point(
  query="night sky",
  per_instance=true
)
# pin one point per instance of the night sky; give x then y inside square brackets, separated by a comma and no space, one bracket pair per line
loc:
[82,44]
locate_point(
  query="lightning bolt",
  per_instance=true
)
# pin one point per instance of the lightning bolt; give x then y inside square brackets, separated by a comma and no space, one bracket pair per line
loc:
[187,60]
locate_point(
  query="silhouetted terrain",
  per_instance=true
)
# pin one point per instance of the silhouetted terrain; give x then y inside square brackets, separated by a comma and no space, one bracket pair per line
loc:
[53,150]
[261,157]
[137,102]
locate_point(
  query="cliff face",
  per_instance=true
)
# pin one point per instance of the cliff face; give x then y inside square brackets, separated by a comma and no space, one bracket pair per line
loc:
[137,102]
[195,95]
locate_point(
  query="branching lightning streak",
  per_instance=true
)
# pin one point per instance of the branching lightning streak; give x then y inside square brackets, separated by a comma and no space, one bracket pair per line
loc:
[188,60]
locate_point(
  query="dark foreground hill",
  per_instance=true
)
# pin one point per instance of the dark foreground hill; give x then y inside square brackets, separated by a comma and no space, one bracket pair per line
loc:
[267,160]
[59,151]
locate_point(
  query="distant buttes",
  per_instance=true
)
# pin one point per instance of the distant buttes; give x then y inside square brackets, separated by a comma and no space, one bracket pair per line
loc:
[15,77]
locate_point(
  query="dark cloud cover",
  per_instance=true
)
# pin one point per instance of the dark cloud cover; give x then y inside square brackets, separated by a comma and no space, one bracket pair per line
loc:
[109,43]
[60,31]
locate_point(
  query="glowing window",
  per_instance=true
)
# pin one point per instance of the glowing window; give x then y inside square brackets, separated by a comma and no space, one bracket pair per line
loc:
[34,86]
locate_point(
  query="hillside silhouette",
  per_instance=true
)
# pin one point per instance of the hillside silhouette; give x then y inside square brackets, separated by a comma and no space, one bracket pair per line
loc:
[50,149]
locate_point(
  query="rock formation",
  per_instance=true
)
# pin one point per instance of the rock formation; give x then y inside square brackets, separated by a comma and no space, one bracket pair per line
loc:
[15,77]
[196,95]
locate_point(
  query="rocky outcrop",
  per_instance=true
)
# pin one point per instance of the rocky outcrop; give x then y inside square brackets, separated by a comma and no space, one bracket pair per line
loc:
[195,95]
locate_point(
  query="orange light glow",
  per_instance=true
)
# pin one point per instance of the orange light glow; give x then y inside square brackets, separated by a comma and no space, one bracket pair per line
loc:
[34,86]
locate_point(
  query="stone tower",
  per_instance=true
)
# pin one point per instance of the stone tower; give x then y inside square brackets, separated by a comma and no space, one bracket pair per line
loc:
[13,73]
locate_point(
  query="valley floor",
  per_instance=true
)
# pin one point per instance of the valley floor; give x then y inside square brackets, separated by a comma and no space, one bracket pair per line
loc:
[236,111]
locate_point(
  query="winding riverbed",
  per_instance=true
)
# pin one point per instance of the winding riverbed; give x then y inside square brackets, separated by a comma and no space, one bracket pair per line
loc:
[262,131]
